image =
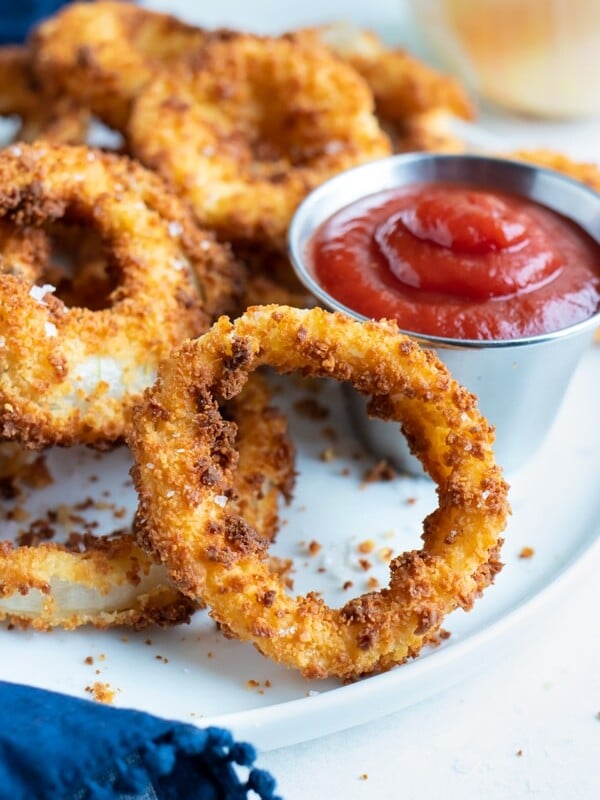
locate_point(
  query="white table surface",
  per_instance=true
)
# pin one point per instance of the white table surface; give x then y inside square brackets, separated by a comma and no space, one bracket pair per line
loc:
[530,725]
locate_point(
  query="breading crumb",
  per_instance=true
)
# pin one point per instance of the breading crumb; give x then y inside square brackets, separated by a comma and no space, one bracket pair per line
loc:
[101,692]
[327,455]
[382,471]
[313,548]
[367,546]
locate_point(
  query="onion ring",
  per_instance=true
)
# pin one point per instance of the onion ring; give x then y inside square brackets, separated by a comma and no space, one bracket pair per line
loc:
[42,115]
[585,172]
[403,85]
[212,553]
[71,375]
[114,582]
[102,54]
[248,127]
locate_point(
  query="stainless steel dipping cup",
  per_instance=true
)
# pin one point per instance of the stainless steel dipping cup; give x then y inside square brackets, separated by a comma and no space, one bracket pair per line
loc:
[520,383]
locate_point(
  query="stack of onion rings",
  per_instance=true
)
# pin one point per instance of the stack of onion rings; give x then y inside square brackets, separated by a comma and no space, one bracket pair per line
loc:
[71,375]
[102,54]
[213,553]
[114,582]
[249,126]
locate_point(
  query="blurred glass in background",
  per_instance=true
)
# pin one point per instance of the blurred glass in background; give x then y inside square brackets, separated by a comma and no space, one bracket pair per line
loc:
[538,57]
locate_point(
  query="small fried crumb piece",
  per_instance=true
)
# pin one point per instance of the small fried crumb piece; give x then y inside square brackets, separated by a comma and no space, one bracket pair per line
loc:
[347,585]
[364,777]
[367,546]
[327,454]
[526,552]
[313,548]
[372,583]
[382,471]
[385,554]
[88,660]
[410,501]
[365,564]
[101,692]
[18,514]
[519,752]
[252,684]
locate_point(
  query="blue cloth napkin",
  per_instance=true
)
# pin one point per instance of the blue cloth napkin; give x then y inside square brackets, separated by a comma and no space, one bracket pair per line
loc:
[18,16]
[55,747]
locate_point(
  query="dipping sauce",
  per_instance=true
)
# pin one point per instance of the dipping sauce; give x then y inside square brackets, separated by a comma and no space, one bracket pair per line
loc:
[453,261]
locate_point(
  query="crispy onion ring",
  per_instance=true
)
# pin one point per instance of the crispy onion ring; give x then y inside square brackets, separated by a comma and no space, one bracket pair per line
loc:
[71,375]
[249,126]
[42,115]
[585,172]
[113,581]
[213,553]
[22,251]
[403,86]
[102,54]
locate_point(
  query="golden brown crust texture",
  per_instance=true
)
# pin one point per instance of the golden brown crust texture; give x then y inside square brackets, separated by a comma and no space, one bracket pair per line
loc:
[72,374]
[246,128]
[213,553]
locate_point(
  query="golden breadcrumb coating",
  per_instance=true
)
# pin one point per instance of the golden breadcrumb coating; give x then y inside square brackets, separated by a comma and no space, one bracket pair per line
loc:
[249,126]
[101,54]
[72,374]
[213,553]
[112,581]
[43,114]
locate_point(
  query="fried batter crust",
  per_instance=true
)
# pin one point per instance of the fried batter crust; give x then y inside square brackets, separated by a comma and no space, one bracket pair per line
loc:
[246,128]
[71,375]
[102,54]
[403,85]
[587,173]
[213,554]
[113,581]
[43,114]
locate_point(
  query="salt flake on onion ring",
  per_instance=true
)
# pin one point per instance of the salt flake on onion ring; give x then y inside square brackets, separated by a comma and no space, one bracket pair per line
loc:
[213,553]
[71,375]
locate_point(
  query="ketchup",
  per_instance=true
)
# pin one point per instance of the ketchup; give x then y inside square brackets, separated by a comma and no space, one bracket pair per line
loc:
[453,261]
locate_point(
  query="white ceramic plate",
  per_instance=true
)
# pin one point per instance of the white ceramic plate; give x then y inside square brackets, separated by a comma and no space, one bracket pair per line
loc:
[193,674]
